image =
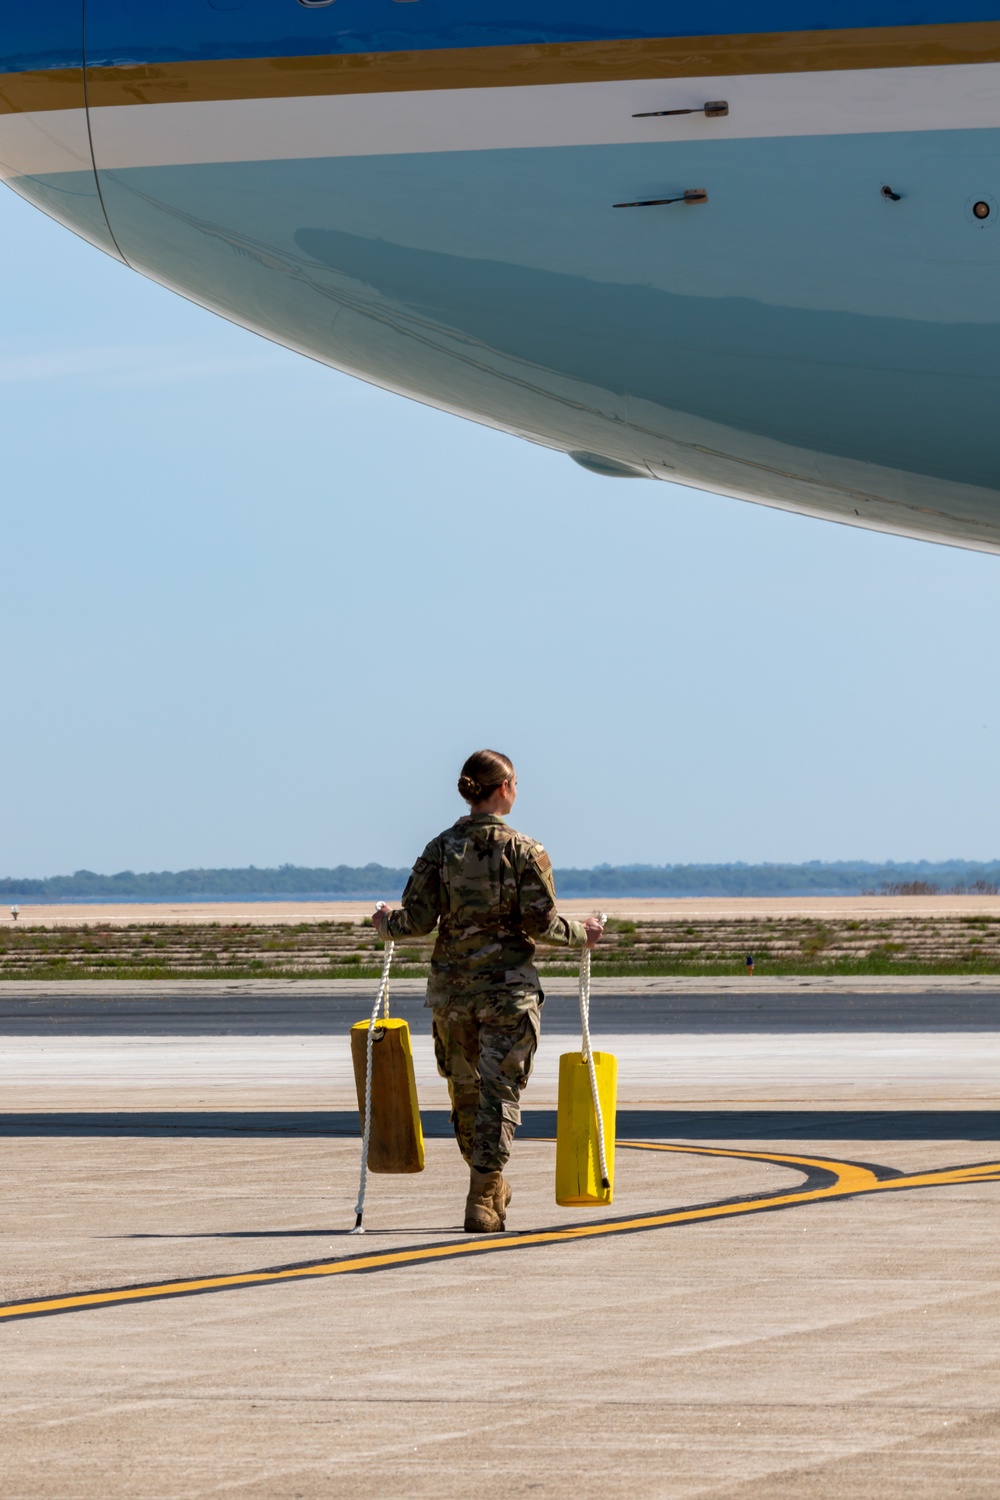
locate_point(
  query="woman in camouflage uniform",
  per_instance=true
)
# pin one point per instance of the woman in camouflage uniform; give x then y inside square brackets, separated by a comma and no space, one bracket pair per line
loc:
[490,890]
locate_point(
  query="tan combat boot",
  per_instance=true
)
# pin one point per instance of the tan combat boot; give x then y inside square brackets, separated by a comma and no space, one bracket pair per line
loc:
[481,1216]
[501,1198]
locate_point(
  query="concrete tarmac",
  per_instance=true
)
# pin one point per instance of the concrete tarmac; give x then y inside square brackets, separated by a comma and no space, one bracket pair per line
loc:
[795,1292]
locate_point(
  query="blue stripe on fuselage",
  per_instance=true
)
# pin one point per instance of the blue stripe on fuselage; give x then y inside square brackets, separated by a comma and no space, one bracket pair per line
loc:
[159,31]
[37,37]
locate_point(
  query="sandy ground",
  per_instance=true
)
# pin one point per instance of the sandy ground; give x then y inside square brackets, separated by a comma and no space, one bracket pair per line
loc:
[661,909]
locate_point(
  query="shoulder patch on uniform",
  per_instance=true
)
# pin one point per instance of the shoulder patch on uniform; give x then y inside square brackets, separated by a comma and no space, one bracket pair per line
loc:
[542,859]
[421,865]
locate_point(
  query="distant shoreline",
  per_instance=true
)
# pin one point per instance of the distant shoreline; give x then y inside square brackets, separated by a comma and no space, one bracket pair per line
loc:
[319,898]
[815,879]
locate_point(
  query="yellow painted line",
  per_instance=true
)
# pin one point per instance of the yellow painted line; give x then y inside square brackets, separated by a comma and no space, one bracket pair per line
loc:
[849,1179]
[945,1177]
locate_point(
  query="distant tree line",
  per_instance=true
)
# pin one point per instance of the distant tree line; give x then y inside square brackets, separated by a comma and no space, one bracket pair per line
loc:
[209,885]
[980,887]
[817,878]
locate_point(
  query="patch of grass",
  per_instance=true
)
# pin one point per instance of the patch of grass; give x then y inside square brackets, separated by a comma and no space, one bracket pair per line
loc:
[794,946]
[787,968]
[231,971]
[815,941]
[884,951]
[876,963]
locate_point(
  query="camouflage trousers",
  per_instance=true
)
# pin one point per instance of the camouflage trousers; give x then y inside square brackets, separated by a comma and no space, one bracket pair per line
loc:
[485,1047]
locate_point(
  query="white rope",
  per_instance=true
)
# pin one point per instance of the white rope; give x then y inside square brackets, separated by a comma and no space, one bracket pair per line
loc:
[381,999]
[588,1057]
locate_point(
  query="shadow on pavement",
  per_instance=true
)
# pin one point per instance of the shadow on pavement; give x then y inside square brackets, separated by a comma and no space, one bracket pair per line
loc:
[538,1124]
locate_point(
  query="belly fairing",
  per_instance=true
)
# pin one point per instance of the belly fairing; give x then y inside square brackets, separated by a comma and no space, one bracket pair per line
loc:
[799,338]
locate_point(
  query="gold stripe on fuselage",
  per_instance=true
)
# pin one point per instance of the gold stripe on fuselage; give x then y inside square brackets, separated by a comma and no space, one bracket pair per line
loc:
[505,67]
[24,93]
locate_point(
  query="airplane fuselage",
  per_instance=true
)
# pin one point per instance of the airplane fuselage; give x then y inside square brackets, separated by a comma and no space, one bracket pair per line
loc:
[801,306]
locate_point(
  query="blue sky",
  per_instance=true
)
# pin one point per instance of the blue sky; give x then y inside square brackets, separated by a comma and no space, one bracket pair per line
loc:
[254,611]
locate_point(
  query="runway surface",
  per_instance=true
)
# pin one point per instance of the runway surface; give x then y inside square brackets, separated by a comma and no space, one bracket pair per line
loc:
[624,1007]
[794,1294]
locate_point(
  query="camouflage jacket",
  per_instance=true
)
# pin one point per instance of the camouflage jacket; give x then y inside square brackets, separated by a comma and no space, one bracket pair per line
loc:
[491,890]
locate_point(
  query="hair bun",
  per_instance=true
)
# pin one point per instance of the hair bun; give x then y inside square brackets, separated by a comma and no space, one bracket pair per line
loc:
[482,774]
